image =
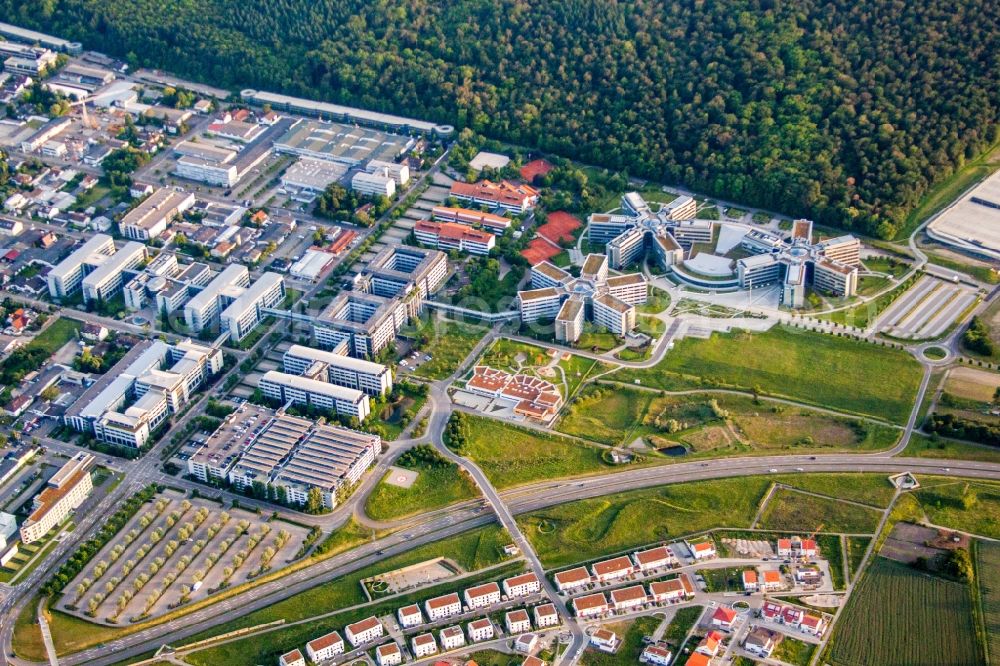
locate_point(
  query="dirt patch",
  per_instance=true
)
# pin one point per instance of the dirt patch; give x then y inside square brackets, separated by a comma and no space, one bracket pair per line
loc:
[907,542]
[422,573]
[972,384]
[749,548]
[823,600]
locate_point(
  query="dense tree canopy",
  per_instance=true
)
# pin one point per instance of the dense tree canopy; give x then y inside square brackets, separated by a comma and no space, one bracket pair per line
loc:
[843,110]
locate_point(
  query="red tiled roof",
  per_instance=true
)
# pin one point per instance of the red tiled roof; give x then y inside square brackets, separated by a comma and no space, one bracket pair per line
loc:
[612,566]
[332,638]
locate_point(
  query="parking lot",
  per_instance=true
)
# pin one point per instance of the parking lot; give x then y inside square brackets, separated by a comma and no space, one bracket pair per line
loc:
[926,310]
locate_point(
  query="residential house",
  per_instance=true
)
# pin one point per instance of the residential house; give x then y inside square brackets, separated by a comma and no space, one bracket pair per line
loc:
[814,625]
[517,621]
[546,616]
[614,569]
[423,645]
[658,655]
[409,616]
[674,589]
[526,643]
[363,631]
[604,639]
[710,644]
[771,581]
[439,608]
[451,638]
[654,558]
[628,598]
[750,580]
[482,596]
[724,617]
[521,586]
[701,550]
[293,658]
[389,655]
[761,642]
[325,647]
[572,579]
[590,605]
[480,630]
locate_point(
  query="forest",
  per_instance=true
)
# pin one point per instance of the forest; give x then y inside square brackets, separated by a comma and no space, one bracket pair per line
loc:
[845,111]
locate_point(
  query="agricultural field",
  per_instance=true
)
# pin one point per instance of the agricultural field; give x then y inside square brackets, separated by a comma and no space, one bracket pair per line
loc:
[791,510]
[710,424]
[511,456]
[968,383]
[900,616]
[813,368]
[987,566]
[439,483]
[448,343]
[176,551]
[590,528]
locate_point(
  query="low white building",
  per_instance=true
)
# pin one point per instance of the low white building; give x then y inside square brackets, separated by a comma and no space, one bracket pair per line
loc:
[389,655]
[451,638]
[482,596]
[409,616]
[325,647]
[480,630]
[521,586]
[364,631]
[517,621]
[423,645]
[441,607]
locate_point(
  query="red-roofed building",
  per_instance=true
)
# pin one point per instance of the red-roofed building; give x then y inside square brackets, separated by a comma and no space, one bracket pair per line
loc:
[448,236]
[701,550]
[771,581]
[792,616]
[521,586]
[771,610]
[612,569]
[750,580]
[325,647]
[590,605]
[674,589]
[723,617]
[505,195]
[710,644]
[698,659]
[654,558]
[572,579]
[363,631]
[628,598]
[293,658]
[813,624]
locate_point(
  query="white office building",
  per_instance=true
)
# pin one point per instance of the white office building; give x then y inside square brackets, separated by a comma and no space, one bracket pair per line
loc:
[107,279]
[66,276]
[285,388]
[202,311]
[244,313]
[373,184]
[372,378]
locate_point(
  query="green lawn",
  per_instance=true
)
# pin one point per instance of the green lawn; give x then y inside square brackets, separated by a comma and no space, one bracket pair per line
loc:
[873,489]
[810,367]
[922,446]
[941,500]
[658,301]
[790,510]
[587,529]
[793,651]
[434,488]
[510,455]
[900,616]
[630,648]
[605,414]
[856,547]
[651,326]
[577,369]
[679,627]
[512,355]
[55,335]
[449,343]
[715,424]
